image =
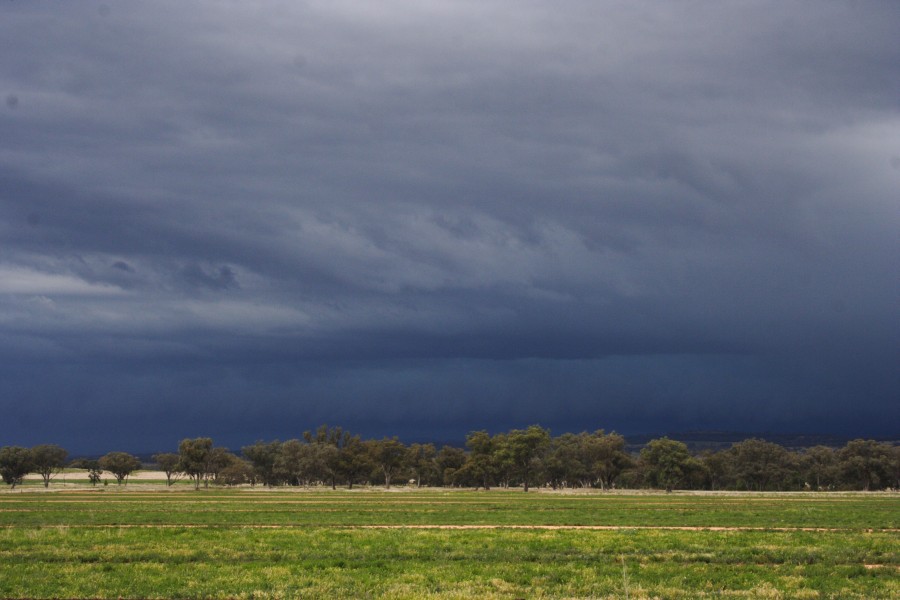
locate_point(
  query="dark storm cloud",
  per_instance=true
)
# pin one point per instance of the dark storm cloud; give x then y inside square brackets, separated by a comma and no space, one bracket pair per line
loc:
[221,278]
[484,213]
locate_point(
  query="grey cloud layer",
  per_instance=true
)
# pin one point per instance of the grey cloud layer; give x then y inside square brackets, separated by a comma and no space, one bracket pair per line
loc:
[224,184]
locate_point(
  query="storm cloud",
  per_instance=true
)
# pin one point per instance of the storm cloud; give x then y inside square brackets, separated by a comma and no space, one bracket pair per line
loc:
[422,218]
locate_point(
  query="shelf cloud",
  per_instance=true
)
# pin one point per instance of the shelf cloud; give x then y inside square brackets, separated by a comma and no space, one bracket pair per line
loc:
[423,218]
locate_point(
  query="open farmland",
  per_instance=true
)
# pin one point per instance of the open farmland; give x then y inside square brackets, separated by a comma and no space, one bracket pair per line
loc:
[151,543]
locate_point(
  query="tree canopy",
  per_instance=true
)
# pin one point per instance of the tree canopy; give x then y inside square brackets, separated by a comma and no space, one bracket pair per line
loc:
[120,464]
[517,458]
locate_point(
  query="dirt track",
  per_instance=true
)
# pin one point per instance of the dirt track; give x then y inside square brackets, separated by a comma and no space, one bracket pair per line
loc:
[620,527]
[481,526]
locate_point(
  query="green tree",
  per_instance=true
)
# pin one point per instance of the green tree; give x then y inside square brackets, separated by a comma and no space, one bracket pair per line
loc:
[895,467]
[866,464]
[170,464]
[15,464]
[120,464]
[389,455]
[195,454]
[93,468]
[219,459]
[328,443]
[480,463]
[48,460]
[560,461]
[719,469]
[421,461]
[325,459]
[314,461]
[354,461]
[665,463]
[604,456]
[819,467]
[292,463]
[449,461]
[504,461]
[237,472]
[569,461]
[760,465]
[263,456]
[525,448]
[326,435]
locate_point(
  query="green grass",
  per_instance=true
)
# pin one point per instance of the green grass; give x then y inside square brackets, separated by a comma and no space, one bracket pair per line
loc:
[110,544]
[122,506]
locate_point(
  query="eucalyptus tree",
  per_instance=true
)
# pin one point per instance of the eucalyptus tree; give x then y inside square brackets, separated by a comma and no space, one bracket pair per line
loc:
[504,461]
[355,461]
[324,434]
[325,463]
[666,463]
[263,456]
[525,448]
[389,455]
[449,461]
[718,468]
[421,459]
[170,464]
[894,470]
[760,465]
[564,465]
[605,457]
[219,459]
[866,464]
[15,464]
[291,462]
[819,467]
[327,445]
[120,464]
[92,466]
[481,461]
[238,471]
[48,460]
[195,458]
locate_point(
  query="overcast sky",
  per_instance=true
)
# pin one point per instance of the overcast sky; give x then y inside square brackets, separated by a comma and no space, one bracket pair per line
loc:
[422,218]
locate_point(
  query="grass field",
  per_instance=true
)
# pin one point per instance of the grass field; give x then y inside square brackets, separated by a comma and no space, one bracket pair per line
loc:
[155,543]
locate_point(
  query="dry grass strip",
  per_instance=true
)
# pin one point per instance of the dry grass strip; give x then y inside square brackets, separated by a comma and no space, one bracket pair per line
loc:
[473,527]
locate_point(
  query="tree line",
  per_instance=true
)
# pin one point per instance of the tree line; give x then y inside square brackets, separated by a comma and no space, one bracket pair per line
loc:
[517,458]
